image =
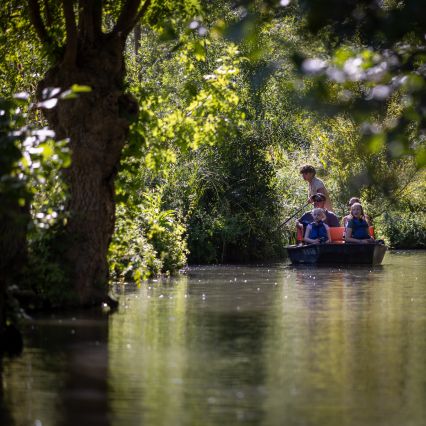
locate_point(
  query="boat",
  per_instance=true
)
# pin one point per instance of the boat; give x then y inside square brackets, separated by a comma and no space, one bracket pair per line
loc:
[337,253]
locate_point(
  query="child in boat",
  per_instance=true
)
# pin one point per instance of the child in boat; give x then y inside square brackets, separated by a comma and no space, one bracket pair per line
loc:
[346,219]
[319,202]
[317,231]
[356,230]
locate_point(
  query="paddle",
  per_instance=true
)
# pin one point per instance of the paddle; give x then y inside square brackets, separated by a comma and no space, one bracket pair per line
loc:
[292,216]
[315,197]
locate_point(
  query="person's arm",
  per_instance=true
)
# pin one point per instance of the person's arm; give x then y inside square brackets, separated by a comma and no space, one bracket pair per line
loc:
[371,239]
[349,239]
[303,221]
[328,233]
[348,236]
[306,239]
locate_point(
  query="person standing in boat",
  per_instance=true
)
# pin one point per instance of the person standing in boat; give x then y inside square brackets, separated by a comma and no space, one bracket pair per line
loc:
[346,219]
[319,202]
[317,232]
[316,186]
[356,230]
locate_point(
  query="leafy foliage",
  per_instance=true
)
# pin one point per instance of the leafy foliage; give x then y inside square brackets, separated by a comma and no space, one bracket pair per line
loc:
[30,156]
[404,229]
[29,159]
[149,241]
[233,98]
[237,211]
[378,60]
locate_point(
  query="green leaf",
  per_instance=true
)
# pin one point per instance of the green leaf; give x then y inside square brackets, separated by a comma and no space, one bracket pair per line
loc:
[48,150]
[76,88]
[199,51]
[421,157]
[376,143]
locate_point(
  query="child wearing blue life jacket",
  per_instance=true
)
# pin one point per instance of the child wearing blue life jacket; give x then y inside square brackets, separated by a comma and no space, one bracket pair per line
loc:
[346,219]
[357,226]
[317,231]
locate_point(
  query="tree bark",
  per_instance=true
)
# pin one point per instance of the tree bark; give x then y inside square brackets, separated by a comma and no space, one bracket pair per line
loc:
[96,124]
[137,34]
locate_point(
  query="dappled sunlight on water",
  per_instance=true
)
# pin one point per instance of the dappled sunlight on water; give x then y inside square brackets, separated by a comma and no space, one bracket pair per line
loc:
[267,345]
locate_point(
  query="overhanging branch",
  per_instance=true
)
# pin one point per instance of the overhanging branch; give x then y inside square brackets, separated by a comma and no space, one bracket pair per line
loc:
[37,21]
[86,20]
[97,17]
[71,29]
[129,16]
[47,12]
[142,12]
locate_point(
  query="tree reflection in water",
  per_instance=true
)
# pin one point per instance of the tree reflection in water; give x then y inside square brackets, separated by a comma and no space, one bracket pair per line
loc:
[61,377]
[236,345]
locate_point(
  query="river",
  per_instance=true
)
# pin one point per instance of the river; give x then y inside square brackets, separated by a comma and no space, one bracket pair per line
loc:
[229,345]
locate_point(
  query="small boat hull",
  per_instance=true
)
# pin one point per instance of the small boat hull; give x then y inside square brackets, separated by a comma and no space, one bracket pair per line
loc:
[344,254]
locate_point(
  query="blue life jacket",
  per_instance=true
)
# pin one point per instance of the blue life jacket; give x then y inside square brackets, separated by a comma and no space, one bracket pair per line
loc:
[318,230]
[359,228]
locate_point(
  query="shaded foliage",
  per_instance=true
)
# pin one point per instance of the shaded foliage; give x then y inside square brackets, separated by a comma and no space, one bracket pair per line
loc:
[235,220]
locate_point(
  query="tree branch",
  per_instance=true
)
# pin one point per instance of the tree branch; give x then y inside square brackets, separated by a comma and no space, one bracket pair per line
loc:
[137,34]
[47,12]
[37,21]
[130,16]
[86,20]
[72,35]
[128,12]
[142,12]
[90,19]
[97,17]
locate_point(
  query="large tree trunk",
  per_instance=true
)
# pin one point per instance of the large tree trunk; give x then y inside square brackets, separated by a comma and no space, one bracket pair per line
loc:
[97,125]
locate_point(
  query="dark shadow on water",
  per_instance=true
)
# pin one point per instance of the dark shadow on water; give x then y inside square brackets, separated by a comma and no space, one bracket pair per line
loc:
[333,267]
[84,399]
[65,364]
[5,416]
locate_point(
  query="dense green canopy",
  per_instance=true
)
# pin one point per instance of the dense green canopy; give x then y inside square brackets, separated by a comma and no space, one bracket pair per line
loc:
[174,131]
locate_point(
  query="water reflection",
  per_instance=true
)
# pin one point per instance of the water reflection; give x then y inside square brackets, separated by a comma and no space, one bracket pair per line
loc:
[347,350]
[237,345]
[61,378]
[5,415]
[199,352]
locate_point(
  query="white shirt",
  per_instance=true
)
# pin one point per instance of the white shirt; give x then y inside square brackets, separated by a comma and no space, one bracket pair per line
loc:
[317,185]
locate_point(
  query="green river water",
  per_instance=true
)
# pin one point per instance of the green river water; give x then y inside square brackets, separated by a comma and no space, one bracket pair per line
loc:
[230,345]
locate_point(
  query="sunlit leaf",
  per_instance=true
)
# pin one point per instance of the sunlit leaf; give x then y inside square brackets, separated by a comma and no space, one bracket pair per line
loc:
[376,143]
[49,104]
[76,88]
[421,157]
[47,150]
